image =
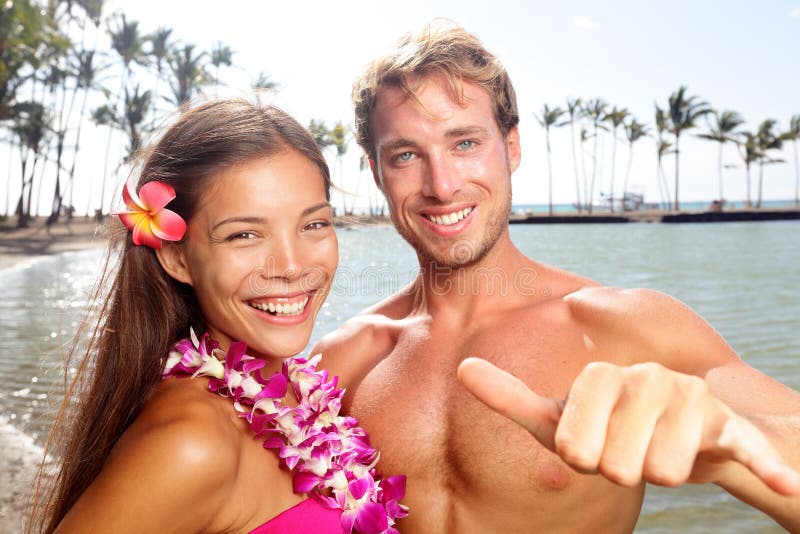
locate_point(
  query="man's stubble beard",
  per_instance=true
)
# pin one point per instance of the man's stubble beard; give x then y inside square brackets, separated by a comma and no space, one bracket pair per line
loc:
[462,252]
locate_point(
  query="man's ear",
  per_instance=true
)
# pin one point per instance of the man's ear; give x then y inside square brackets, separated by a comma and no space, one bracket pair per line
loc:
[513,149]
[373,166]
[172,258]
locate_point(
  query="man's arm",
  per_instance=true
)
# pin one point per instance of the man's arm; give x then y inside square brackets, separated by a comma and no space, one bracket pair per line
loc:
[717,420]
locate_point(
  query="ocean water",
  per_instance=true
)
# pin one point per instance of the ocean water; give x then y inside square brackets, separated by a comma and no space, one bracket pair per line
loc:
[742,277]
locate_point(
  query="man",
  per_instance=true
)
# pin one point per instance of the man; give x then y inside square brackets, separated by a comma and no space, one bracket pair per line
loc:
[630,386]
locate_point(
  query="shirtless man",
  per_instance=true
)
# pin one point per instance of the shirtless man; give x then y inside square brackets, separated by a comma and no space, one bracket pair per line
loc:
[630,386]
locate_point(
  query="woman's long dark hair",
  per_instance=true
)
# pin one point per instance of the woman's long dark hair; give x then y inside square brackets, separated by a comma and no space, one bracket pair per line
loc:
[142,312]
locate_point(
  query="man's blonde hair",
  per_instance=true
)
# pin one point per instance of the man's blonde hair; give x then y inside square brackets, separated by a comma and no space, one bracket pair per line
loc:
[438,49]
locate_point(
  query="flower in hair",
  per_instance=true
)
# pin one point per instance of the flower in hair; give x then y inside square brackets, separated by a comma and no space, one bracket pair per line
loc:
[329,454]
[147,217]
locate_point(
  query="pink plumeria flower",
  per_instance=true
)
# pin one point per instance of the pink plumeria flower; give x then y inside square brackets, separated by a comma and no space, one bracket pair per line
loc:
[147,218]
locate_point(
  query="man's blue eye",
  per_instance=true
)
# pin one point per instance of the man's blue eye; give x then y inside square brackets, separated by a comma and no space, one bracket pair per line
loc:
[405,156]
[466,144]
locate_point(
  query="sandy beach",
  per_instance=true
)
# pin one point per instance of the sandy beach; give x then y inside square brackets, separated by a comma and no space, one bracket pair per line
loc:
[21,456]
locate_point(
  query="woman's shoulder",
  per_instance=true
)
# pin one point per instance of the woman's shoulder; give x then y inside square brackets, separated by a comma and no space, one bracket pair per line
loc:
[181,453]
[199,429]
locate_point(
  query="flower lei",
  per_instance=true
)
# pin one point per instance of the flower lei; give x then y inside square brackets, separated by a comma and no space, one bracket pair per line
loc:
[329,454]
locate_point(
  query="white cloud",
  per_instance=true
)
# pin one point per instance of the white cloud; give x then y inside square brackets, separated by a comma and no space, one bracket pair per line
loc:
[795,12]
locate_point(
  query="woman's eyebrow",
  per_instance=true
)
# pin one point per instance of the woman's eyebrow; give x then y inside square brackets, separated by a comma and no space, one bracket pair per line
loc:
[249,220]
[311,209]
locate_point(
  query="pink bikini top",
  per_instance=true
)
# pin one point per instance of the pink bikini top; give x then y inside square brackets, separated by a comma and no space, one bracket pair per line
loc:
[306,517]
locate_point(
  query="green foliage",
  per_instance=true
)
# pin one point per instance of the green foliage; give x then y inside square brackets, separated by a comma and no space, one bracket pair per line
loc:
[319,131]
[724,125]
[159,46]
[683,111]
[338,136]
[188,73]
[549,117]
[634,130]
[27,37]
[127,41]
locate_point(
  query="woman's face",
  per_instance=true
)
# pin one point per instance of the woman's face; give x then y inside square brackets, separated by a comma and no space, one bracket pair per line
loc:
[261,253]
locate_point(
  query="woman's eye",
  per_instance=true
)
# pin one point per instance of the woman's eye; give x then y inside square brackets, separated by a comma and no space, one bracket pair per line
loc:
[316,225]
[241,236]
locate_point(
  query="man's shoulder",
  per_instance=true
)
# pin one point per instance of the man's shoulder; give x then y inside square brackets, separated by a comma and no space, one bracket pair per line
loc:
[365,339]
[659,325]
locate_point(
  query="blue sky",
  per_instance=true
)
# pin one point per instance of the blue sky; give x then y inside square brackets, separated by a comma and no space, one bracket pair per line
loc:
[737,54]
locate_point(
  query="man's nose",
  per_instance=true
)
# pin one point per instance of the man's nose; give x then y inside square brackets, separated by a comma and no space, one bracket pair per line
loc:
[442,179]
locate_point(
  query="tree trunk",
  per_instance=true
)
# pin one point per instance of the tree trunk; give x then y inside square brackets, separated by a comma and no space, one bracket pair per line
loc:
[549,176]
[594,170]
[575,166]
[760,182]
[719,164]
[796,177]
[613,166]
[627,175]
[749,198]
[677,160]
[108,147]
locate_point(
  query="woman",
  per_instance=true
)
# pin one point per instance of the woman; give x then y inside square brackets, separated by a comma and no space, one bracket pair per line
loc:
[231,237]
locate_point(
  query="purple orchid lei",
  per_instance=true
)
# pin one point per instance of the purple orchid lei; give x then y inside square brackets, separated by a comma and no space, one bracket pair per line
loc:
[329,454]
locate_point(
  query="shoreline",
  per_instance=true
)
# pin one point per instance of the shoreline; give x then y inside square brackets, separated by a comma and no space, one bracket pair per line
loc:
[660,216]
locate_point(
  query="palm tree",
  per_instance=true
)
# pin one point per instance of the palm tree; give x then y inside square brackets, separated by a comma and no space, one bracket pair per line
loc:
[683,114]
[159,50]
[663,147]
[793,135]
[221,55]
[321,134]
[189,73]
[766,139]
[616,117]
[137,105]
[128,42]
[30,126]
[722,131]
[339,139]
[574,110]
[748,145]
[634,131]
[263,85]
[549,118]
[595,110]
[584,138]
[93,10]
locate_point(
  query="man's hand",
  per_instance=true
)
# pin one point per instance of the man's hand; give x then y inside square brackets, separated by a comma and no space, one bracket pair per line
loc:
[633,424]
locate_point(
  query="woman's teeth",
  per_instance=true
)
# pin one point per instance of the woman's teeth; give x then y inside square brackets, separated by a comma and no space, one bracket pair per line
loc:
[285,309]
[449,218]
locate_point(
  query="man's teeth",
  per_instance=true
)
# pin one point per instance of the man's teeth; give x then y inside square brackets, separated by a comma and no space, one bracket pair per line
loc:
[282,310]
[449,218]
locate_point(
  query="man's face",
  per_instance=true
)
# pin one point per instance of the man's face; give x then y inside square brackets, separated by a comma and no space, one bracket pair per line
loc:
[445,169]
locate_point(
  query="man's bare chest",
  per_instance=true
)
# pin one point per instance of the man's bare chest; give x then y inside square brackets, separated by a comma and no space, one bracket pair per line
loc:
[426,424]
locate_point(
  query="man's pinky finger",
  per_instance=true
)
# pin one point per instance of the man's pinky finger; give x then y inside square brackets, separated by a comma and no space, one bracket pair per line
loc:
[752,449]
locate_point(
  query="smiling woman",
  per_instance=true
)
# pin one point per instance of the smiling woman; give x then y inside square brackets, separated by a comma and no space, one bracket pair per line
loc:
[232,238]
